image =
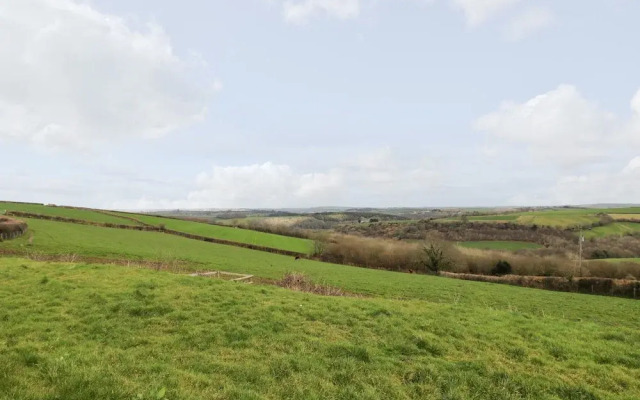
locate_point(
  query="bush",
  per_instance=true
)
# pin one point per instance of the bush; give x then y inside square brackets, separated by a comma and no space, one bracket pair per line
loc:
[435,258]
[502,268]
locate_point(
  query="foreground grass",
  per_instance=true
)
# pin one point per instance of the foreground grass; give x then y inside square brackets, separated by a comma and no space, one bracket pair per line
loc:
[65,212]
[508,245]
[51,237]
[76,331]
[230,233]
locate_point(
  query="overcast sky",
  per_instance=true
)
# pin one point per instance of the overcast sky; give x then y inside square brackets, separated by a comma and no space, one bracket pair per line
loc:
[294,103]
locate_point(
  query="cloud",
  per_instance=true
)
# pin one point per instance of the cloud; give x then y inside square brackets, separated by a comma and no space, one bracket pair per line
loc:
[560,127]
[299,12]
[72,76]
[603,187]
[266,185]
[587,155]
[373,178]
[478,12]
[531,20]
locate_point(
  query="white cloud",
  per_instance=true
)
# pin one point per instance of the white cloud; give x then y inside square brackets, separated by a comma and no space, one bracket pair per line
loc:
[604,187]
[299,12]
[71,76]
[266,185]
[478,12]
[375,178]
[531,20]
[560,127]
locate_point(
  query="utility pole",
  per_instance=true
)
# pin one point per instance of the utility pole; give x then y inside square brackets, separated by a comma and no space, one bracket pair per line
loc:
[580,240]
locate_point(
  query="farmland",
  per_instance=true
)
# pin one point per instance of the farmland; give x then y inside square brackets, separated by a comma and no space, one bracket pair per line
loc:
[65,212]
[101,326]
[207,230]
[207,338]
[232,234]
[561,218]
[614,229]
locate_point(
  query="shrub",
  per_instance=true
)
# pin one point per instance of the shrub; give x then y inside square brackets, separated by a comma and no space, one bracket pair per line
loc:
[502,268]
[435,258]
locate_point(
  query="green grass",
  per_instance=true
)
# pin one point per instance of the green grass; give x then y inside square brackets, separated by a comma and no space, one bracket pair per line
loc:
[614,229]
[500,245]
[196,228]
[559,218]
[87,215]
[78,331]
[51,237]
[507,217]
[233,234]
[83,331]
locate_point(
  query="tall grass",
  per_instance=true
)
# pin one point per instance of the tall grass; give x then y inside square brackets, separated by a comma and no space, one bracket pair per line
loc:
[405,256]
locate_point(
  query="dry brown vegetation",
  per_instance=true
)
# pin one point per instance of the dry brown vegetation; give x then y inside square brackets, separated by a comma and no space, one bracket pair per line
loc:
[404,256]
[302,283]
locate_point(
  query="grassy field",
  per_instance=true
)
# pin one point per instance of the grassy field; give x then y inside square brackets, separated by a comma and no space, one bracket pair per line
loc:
[500,245]
[63,238]
[83,331]
[560,218]
[65,212]
[78,331]
[196,228]
[232,234]
[625,216]
[616,228]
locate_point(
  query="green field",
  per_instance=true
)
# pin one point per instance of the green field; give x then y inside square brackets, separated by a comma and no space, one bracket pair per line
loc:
[559,218]
[84,331]
[65,212]
[78,331]
[500,245]
[196,228]
[229,233]
[51,237]
[614,229]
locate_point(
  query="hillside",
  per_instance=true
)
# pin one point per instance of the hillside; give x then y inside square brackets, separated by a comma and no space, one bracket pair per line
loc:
[122,319]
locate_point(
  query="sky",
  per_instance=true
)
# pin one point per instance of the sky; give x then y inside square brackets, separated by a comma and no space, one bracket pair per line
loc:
[157,104]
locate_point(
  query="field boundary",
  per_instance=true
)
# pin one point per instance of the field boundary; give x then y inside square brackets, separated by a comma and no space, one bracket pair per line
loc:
[104,212]
[150,228]
[583,285]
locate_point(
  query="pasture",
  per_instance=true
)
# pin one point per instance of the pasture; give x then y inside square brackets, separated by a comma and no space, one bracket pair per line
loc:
[614,229]
[78,331]
[66,212]
[558,218]
[207,230]
[230,233]
[89,329]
